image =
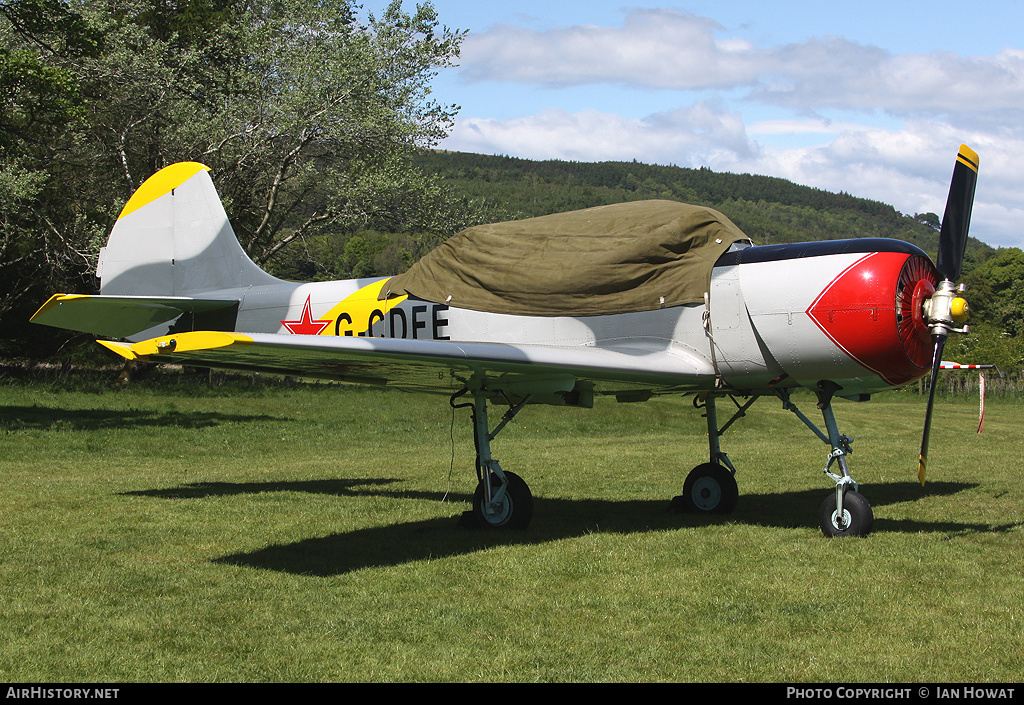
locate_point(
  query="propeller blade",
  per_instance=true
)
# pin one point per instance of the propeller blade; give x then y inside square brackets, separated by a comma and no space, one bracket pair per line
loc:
[944,309]
[940,343]
[957,218]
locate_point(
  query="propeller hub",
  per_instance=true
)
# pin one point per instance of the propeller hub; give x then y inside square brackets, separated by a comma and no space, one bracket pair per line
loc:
[959,309]
[945,310]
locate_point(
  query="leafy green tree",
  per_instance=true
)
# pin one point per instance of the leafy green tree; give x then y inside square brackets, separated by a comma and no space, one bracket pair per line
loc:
[986,344]
[930,219]
[308,115]
[995,290]
[44,242]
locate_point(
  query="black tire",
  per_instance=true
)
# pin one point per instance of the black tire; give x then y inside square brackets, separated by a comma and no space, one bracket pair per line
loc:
[709,489]
[516,511]
[856,510]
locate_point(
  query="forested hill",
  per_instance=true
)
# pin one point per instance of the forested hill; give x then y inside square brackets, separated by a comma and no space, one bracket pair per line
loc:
[768,209]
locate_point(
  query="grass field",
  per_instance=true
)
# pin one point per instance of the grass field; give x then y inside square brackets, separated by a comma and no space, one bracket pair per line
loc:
[264,533]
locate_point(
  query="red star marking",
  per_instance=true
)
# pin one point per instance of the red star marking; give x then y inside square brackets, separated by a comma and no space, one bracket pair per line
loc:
[306,325]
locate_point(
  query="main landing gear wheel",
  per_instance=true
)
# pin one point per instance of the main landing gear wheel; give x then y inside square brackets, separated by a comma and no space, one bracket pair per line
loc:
[857,518]
[709,489]
[513,511]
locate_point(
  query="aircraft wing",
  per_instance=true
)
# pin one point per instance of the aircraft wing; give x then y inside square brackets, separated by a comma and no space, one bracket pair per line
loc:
[122,316]
[435,366]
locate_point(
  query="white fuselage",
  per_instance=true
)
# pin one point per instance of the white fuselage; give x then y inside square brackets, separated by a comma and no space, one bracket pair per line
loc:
[758,326]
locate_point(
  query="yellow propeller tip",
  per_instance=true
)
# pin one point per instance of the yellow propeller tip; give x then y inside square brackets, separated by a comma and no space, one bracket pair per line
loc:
[968,157]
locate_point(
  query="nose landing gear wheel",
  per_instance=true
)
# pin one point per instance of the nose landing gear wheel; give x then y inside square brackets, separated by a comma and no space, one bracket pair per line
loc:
[857,518]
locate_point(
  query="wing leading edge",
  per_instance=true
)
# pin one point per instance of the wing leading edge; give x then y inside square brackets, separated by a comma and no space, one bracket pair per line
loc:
[436,366]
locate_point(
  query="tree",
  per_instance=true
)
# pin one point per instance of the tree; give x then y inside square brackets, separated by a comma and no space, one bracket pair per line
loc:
[307,115]
[995,290]
[986,344]
[42,241]
[930,219]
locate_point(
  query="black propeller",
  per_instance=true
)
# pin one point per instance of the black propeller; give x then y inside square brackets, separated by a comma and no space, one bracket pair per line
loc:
[957,218]
[945,310]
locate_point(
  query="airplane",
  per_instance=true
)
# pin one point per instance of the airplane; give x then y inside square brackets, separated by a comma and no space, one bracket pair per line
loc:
[629,301]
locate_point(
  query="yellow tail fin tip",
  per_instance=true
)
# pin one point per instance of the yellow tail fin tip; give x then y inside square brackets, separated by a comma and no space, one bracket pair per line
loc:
[164,181]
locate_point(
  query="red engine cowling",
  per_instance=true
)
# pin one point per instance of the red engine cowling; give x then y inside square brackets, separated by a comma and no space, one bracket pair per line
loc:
[873,312]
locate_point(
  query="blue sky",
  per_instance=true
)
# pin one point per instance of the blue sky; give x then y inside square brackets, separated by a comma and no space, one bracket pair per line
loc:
[869,97]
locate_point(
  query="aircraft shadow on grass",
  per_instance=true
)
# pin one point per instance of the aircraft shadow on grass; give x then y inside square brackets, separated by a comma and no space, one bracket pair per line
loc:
[18,418]
[554,519]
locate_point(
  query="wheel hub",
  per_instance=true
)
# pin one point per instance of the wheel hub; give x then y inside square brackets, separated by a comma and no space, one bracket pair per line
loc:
[841,523]
[497,513]
[706,493]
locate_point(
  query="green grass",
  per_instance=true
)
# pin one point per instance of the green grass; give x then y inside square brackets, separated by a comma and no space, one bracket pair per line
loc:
[180,533]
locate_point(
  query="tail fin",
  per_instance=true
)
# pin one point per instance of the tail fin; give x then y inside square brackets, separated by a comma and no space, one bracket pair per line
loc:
[173,238]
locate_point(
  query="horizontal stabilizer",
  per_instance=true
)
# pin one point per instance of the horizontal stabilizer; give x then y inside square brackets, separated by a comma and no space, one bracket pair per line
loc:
[123,316]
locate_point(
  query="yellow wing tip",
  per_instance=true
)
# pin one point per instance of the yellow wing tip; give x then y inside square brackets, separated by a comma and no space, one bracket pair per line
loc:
[164,181]
[173,344]
[188,342]
[921,471]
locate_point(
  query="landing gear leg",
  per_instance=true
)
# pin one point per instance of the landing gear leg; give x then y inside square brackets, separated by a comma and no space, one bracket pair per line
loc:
[711,487]
[502,499]
[844,512]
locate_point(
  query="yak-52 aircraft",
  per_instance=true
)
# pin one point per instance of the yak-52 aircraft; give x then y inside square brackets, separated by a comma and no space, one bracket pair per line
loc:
[629,300]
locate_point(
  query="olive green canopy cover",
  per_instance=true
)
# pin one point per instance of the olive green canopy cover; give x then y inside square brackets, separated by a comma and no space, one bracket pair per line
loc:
[619,258]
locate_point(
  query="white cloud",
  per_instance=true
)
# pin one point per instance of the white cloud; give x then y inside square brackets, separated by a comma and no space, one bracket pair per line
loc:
[894,121]
[837,73]
[654,48]
[686,136]
[802,126]
[668,49]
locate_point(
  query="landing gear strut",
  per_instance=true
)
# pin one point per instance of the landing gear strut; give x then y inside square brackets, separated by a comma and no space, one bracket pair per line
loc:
[844,512]
[710,488]
[502,499]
